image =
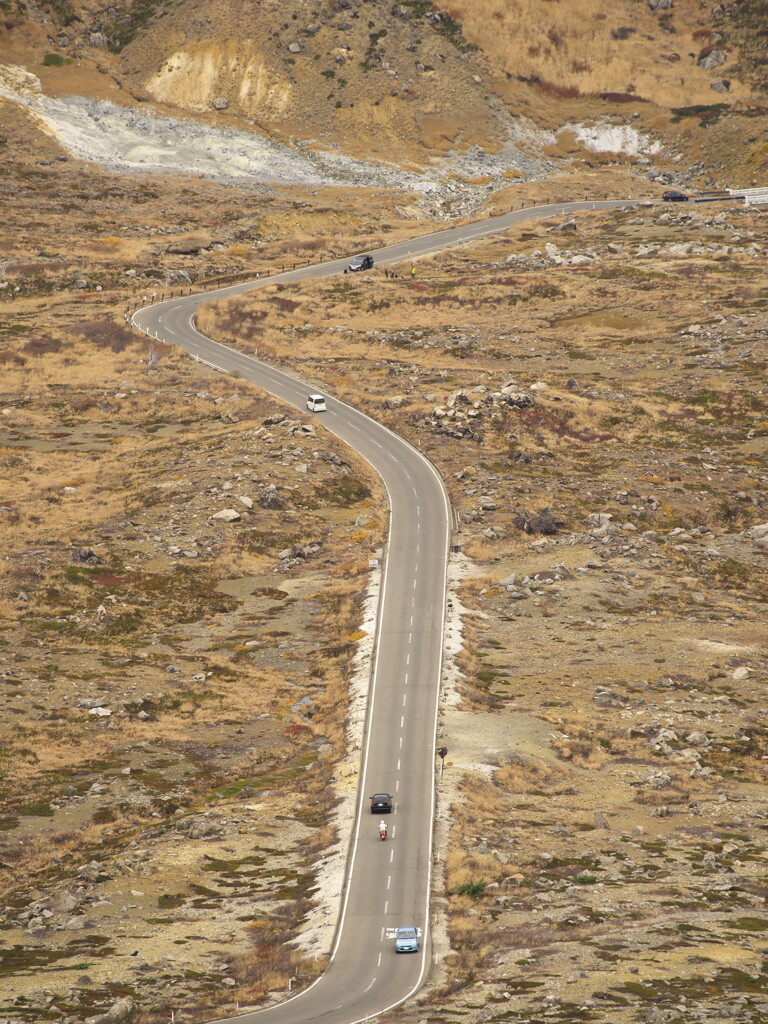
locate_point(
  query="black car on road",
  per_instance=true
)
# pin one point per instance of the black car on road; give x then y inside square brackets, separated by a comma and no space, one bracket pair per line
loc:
[381,803]
[673,196]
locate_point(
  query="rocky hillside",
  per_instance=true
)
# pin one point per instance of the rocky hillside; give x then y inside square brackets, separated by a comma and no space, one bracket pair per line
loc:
[408,80]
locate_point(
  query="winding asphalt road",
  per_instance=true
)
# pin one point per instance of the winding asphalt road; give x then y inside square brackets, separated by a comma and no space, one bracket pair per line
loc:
[387,884]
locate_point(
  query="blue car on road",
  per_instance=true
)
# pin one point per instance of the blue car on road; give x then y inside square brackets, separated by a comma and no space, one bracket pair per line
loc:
[406,940]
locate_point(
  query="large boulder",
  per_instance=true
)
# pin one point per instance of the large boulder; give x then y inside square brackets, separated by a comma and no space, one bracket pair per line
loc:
[545,521]
[189,246]
[63,901]
[121,1010]
[518,399]
[712,59]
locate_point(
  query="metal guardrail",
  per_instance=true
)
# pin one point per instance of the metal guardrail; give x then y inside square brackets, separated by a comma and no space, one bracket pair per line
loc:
[222,280]
[751,196]
[236,277]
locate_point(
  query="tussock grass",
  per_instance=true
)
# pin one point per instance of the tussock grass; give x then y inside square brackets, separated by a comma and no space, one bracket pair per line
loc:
[591,744]
[468,935]
[464,868]
[482,550]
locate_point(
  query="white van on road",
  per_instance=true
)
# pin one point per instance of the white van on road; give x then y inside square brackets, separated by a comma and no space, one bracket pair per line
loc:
[316,403]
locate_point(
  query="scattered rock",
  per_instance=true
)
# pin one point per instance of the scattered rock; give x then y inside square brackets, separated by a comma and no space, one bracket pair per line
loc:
[270,498]
[177,277]
[697,739]
[87,556]
[227,515]
[93,872]
[204,827]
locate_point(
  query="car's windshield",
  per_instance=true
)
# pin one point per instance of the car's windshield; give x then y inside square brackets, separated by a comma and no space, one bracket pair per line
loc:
[406,933]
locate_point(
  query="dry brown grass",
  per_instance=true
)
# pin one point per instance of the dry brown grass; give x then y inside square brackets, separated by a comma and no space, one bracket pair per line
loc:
[581,746]
[469,935]
[483,550]
[524,339]
[526,777]
[270,966]
[673,793]
[584,49]
[42,853]
[463,867]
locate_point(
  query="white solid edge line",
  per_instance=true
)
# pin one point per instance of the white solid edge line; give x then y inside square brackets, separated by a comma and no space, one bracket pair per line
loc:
[369,719]
[207,296]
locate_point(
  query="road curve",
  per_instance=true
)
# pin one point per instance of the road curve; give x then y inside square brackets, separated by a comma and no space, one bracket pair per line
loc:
[387,883]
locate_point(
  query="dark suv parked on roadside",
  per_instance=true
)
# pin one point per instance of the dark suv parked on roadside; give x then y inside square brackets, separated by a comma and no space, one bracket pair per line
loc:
[361,263]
